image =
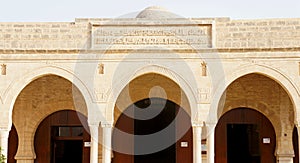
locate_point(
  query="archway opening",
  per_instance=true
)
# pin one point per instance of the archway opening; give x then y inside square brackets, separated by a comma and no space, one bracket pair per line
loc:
[156,133]
[269,98]
[245,135]
[147,112]
[61,138]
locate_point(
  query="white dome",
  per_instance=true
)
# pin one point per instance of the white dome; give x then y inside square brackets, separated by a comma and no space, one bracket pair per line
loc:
[156,12]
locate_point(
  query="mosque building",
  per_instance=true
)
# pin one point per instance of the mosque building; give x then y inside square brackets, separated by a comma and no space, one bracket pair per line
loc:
[154,88]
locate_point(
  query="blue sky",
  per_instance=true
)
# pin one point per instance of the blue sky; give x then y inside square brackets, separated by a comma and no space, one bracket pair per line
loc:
[68,10]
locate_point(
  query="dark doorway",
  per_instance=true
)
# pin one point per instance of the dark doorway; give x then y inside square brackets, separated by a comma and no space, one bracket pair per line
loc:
[165,114]
[153,125]
[243,143]
[67,144]
[67,151]
[244,135]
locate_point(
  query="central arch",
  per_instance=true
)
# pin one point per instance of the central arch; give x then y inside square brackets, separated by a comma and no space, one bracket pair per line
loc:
[133,128]
[186,83]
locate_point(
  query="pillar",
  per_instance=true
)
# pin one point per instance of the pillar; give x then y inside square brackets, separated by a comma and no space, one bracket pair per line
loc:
[4,141]
[25,152]
[210,143]
[94,143]
[106,142]
[197,152]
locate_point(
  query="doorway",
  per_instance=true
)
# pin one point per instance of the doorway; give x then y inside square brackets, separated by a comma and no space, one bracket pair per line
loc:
[144,126]
[67,144]
[60,138]
[140,124]
[243,143]
[67,151]
[244,135]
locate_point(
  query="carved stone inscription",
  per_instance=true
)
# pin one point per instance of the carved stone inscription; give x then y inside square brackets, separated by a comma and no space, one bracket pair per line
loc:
[169,36]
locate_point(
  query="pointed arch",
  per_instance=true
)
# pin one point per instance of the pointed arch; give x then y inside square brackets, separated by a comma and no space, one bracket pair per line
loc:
[19,84]
[272,73]
[186,86]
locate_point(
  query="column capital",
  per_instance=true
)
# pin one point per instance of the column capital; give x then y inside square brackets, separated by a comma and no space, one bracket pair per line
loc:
[210,124]
[106,124]
[4,133]
[197,124]
[4,130]
[297,125]
[93,124]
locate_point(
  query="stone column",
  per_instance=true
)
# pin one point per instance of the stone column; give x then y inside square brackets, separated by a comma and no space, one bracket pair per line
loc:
[106,142]
[197,152]
[210,143]
[25,152]
[94,143]
[4,133]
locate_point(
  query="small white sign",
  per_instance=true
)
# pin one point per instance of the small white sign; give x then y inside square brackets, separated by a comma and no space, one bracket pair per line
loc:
[266,140]
[87,144]
[184,144]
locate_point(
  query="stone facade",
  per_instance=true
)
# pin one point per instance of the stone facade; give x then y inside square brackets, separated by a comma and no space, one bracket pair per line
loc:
[104,65]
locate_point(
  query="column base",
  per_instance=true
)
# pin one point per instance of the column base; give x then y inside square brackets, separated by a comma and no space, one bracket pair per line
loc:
[204,158]
[25,159]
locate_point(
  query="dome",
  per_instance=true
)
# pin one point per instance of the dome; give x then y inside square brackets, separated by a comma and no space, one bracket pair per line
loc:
[156,12]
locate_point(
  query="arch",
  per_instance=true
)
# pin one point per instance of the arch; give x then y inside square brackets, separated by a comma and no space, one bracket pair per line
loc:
[79,112]
[272,73]
[186,86]
[34,117]
[19,84]
[255,105]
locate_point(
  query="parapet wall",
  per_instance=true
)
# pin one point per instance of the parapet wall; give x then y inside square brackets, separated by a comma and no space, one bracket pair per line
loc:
[42,36]
[229,34]
[269,33]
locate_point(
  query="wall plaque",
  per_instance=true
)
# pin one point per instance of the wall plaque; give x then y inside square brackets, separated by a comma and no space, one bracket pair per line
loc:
[145,36]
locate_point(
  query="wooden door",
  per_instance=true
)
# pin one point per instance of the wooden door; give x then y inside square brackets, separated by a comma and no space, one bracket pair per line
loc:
[184,144]
[123,146]
[47,135]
